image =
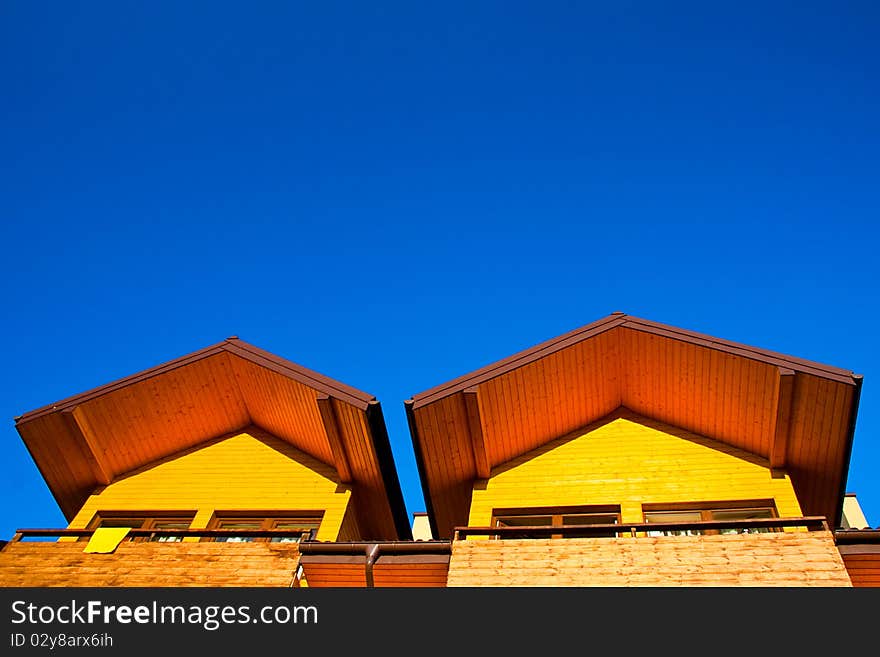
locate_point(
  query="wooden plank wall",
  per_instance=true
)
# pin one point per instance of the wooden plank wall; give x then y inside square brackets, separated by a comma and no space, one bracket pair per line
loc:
[863,569]
[385,574]
[416,575]
[775,559]
[149,564]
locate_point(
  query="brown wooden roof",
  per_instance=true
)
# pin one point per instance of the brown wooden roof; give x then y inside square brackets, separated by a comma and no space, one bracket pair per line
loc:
[89,439]
[797,414]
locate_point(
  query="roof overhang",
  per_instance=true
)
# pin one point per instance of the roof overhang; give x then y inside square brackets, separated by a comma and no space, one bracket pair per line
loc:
[89,440]
[797,414]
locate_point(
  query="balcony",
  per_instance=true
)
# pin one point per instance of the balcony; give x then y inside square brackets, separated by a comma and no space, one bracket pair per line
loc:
[755,552]
[147,558]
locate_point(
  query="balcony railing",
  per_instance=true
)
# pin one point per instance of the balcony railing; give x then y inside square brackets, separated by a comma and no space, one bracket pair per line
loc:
[157,534]
[811,523]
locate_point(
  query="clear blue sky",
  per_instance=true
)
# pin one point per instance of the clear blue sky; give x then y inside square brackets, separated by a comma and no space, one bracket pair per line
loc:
[395,195]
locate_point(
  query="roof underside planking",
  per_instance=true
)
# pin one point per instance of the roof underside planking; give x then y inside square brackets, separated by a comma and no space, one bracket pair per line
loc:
[90,439]
[796,414]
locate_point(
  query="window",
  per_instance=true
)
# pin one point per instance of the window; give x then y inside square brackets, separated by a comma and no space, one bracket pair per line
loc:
[306,523]
[674,516]
[702,511]
[556,517]
[167,520]
[237,524]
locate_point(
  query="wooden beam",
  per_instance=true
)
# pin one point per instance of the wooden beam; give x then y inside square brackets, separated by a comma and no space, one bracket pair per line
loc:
[475,428]
[334,437]
[79,428]
[782,428]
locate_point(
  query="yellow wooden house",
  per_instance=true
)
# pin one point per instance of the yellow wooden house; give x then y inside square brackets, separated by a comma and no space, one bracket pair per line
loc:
[628,452]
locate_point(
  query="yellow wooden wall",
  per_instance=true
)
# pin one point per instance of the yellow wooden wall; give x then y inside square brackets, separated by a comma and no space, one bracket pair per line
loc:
[250,471]
[630,461]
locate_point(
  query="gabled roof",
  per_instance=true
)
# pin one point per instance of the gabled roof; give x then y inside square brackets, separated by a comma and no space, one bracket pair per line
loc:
[88,440]
[799,415]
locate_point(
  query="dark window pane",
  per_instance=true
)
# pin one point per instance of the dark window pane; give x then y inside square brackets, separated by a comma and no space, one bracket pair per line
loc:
[133,523]
[591,519]
[523,521]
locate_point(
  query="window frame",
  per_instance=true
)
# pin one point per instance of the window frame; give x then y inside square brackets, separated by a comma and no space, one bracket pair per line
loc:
[706,509]
[266,520]
[148,521]
[557,513]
